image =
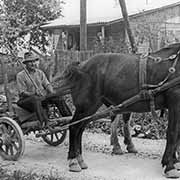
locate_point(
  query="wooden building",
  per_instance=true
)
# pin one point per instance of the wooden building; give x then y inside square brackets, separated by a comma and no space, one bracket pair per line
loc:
[152,30]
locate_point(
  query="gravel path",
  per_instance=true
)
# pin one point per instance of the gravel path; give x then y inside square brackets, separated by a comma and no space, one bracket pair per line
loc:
[43,159]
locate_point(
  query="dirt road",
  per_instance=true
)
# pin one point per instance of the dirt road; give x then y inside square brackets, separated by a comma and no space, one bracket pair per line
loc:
[44,159]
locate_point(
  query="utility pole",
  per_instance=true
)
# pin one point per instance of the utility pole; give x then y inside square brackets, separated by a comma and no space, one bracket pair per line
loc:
[83,29]
[127,25]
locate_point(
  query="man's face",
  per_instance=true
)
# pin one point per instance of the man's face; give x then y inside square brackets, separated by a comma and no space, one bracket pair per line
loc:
[32,65]
[37,63]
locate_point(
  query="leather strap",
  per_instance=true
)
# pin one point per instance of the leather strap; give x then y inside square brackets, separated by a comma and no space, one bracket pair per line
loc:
[143,82]
[142,72]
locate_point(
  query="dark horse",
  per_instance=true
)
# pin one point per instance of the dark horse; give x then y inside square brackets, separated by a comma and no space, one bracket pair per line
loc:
[111,79]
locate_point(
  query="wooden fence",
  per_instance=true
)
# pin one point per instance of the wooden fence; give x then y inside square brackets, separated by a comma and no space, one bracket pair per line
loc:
[63,58]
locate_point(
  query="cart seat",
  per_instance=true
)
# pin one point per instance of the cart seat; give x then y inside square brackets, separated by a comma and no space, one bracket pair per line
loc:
[22,113]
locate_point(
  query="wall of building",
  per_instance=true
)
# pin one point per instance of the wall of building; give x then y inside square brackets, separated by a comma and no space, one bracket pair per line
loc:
[114,35]
[116,31]
[92,32]
[149,28]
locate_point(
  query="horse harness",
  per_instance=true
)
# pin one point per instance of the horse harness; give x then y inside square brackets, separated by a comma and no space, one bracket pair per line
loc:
[147,91]
[145,88]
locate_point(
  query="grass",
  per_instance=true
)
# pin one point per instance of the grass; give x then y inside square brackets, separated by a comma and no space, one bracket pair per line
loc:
[20,175]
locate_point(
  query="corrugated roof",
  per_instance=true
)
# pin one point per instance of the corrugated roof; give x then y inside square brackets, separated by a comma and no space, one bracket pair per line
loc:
[105,11]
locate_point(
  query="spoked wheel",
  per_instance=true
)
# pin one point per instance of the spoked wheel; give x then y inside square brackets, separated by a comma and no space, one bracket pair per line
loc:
[54,139]
[12,143]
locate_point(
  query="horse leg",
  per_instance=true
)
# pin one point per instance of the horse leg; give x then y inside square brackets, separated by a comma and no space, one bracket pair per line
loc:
[76,162]
[127,135]
[73,144]
[177,153]
[82,125]
[168,159]
[114,136]
[115,123]
[80,159]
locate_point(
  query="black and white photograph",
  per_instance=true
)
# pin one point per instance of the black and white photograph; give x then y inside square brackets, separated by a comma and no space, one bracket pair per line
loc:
[89,89]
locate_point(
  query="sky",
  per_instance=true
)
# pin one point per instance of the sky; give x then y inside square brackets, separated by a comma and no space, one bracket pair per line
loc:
[110,8]
[104,10]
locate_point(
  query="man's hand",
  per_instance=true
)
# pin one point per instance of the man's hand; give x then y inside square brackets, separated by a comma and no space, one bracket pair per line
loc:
[38,92]
[50,89]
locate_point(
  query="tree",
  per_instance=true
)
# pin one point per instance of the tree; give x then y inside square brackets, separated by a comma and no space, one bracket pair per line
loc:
[22,17]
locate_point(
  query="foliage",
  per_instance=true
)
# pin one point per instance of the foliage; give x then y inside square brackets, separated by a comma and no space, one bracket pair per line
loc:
[146,32]
[22,17]
[149,128]
[110,45]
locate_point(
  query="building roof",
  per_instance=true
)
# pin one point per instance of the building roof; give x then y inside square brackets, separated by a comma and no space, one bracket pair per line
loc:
[101,12]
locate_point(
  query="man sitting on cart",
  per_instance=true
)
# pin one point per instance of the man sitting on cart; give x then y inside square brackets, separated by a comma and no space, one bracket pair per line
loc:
[33,87]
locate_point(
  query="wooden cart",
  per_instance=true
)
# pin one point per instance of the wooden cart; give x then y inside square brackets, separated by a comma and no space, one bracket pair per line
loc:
[15,122]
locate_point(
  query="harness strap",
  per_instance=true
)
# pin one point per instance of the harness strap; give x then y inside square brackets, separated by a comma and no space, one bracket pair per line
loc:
[142,72]
[142,82]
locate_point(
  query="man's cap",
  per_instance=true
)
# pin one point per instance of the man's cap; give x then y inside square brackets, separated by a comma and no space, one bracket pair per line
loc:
[28,57]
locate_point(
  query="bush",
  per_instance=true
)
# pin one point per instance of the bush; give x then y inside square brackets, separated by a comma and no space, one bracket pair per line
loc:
[149,128]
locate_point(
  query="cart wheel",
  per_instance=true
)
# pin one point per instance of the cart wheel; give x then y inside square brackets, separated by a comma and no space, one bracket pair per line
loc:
[12,143]
[55,139]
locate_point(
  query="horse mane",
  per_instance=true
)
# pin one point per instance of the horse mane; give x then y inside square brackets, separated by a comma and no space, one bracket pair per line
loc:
[71,70]
[74,73]
[167,51]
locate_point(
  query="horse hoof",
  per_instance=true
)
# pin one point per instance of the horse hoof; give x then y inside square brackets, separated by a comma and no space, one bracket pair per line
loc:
[81,162]
[174,173]
[74,165]
[131,149]
[117,151]
[177,165]
[83,165]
